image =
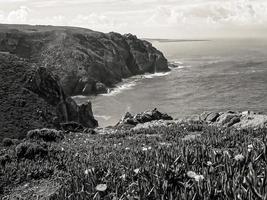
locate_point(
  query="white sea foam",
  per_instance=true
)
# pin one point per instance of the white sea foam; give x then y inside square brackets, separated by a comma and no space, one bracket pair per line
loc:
[159,74]
[128,84]
[183,66]
[119,88]
[178,62]
[105,117]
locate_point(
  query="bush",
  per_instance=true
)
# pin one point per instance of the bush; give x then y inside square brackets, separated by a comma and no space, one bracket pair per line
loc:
[4,159]
[7,142]
[30,150]
[48,135]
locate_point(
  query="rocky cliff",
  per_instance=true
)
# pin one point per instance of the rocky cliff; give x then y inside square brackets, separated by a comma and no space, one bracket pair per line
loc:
[31,97]
[86,61]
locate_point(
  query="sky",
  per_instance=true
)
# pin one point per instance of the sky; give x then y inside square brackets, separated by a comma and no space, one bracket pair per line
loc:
[176,19]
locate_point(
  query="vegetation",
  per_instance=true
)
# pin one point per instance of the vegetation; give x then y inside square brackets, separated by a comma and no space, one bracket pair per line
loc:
[183,161]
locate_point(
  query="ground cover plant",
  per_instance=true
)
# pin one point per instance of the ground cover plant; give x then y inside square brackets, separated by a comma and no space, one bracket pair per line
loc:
[180,161]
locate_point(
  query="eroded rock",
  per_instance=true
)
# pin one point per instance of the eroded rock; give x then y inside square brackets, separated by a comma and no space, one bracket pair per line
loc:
[143,117]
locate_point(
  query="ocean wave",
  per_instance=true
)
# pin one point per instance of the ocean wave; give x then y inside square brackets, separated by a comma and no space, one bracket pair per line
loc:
[183,66]
[119,88]
[105,117]
[159,74]
[178,62]
[128,84]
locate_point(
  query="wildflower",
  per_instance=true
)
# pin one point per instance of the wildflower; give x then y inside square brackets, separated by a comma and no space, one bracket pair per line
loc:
[226,153]
[199,178]
[62,149]
[127,148]
[101,187]
[86,172]
[209,163]
[195,176]
[239,157]
[250,148]
[191,174]
[123,176]
[136,170]
[149,148]
[144,149]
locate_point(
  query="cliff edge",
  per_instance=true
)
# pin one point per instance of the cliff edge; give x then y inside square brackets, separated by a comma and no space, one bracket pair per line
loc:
[86,61]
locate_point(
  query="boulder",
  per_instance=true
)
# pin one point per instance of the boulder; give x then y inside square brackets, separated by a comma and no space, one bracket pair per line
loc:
[240,120]
[212,117]
[100,88]
[143,117]
[203,116]
[252,121]
[226,118]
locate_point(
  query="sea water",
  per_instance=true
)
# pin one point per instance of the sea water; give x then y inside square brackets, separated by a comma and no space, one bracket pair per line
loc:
[211,75]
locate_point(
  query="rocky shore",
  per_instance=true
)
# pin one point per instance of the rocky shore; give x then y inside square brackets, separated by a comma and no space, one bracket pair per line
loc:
[246,120]
[43,66]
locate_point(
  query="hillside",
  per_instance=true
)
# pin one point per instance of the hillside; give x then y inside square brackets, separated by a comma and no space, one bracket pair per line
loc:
[31,97]
[172,159]
[86,61]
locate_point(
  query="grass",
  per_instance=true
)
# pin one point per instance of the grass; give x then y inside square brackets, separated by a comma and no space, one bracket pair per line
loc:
[177,162]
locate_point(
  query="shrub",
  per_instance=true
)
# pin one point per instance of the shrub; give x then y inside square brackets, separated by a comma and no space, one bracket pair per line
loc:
[48,135]
[4,159]
[30,150]
[7,142]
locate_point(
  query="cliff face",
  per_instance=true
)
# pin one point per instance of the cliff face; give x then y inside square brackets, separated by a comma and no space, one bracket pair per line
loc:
[31,97]
[86,61]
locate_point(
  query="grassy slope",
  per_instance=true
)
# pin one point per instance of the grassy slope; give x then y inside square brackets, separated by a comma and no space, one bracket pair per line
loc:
[148,164]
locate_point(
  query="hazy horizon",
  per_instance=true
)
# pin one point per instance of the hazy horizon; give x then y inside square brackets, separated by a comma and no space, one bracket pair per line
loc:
[173,19]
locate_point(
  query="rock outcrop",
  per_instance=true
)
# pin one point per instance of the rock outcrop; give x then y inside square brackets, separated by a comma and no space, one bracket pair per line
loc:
[86,61]
[142,118]
[240,120]
[32,98]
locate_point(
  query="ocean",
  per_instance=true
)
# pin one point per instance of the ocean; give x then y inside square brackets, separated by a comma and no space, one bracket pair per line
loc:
[212,75]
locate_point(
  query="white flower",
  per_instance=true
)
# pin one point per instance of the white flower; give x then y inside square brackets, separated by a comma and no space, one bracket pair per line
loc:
[149,148]
[62,149]
[144,149]
[191,174]
[86,172]
[226,153]
[195,176]
[101,187]
[199,178]
[123,176]
[239,157]
[250,148]
[136,170]
[209,163]
[127,148]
